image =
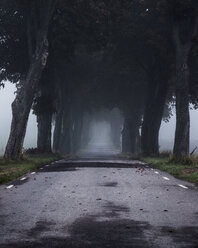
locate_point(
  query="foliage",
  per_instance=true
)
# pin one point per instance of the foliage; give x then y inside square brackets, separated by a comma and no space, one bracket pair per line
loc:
[13,45]
[102,54]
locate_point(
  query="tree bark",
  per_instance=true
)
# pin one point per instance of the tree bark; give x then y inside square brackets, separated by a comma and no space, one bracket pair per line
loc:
[85,130]
[77,132]
[153,114]
[130,132]
[44,132]
[21,108]
[134,134]
[23,101]
[116,128]
[65,143]
[58,122]
[57,131]
[182,132]
[126,144]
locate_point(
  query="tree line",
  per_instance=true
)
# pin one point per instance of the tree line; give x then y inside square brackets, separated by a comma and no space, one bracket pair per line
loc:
[72,57]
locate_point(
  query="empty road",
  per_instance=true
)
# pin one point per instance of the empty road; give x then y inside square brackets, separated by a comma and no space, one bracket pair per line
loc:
[94,204]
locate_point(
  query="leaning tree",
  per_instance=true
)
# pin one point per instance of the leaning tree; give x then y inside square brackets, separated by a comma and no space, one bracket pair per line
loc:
[35,16]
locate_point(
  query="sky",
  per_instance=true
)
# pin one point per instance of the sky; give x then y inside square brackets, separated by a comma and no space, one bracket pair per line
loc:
[7,96]
[167,132]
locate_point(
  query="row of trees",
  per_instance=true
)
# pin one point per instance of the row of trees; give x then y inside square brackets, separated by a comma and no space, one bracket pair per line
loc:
[68,58]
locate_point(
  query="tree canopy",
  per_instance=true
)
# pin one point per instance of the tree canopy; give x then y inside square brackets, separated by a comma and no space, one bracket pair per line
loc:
[69,58]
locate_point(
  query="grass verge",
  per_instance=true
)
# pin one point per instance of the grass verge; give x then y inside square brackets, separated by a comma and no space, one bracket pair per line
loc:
[11,170]
[181,171]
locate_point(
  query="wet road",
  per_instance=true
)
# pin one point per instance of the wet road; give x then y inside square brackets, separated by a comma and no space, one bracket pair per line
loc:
[95,204]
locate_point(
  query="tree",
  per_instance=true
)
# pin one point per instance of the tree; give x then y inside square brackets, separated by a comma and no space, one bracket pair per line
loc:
[184,16]
[44,108]
[36,17]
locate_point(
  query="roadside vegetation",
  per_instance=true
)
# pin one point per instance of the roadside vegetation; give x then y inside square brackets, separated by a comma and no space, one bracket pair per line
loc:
[11,170]
[185,170]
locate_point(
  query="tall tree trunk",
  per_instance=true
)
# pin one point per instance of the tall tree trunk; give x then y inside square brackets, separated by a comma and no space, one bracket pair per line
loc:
[153,114]
[85,130]
[57,131]
[116,132]
[131,132]
[182,132]
[126,142]
[44,132]
[21,108]
[77,132]
[65,143]
[23,101]
[58,125]
[134,134]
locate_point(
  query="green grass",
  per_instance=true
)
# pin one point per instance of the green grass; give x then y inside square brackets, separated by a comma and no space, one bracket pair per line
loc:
[11,170]
[181,171]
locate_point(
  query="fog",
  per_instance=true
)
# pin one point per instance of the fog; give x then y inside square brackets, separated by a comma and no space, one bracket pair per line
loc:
[167,132]
[6,98]
[100,134]
[100,142]
[99,130]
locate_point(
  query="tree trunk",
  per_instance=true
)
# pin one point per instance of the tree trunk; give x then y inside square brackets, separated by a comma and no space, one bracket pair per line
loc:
[77,132]
[182,132]
[134,134]
[85,130]
[57,130]
[21,108]
[116,132]
[153,114]
[65,144]
[126,143]
[44,132]
[23,101]
[130,133]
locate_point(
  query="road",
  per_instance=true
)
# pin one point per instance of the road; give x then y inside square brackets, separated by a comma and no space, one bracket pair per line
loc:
[98,203]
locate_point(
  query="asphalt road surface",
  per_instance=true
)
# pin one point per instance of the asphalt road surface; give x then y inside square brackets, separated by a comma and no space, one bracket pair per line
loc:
[98,203]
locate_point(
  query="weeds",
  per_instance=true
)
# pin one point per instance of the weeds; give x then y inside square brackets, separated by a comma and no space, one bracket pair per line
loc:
[186,169]
[10,170]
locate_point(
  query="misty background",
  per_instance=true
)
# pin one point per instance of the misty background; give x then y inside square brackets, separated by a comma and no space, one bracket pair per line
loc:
[166,137]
